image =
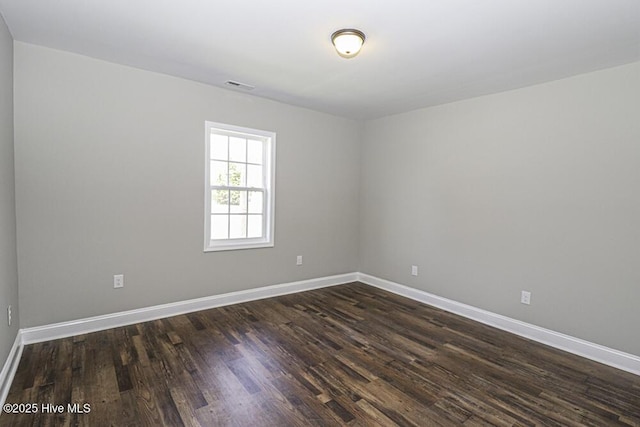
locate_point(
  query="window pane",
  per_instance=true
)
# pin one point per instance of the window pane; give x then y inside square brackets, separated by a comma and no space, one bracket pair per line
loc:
[219,201]
[219,147]
[238,227]
[237,149]
[254,176]
[254,153]
[237,175]
[219,226]
[219,173]
[238,201]
[255,226]
[238,196]
[255,202]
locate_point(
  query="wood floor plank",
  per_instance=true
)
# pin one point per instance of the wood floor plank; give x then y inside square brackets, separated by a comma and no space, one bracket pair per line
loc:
[345,355]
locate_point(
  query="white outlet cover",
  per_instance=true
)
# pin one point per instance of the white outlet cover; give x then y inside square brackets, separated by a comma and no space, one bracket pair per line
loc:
[414,270]
[525,297]
[299,260]
[118,281]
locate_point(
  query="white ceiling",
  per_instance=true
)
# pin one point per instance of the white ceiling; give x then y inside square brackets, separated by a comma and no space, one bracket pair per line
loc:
[418,52]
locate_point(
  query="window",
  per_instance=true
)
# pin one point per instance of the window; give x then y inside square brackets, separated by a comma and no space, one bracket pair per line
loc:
[239,187]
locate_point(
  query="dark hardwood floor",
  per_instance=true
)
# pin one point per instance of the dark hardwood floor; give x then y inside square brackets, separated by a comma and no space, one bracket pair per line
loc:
[345,355]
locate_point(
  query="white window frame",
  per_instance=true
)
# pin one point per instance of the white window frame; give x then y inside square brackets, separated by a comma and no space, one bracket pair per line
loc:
[269,159]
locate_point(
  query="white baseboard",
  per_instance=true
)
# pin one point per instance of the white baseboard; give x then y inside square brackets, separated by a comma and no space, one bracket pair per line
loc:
[108,321]
[608,356]
[605,355]
[10,367]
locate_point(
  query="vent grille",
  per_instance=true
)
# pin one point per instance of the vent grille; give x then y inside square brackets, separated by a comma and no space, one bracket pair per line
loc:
[239,85]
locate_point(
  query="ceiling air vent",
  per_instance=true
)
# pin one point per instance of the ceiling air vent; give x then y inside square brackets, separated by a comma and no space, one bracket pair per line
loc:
[239,85]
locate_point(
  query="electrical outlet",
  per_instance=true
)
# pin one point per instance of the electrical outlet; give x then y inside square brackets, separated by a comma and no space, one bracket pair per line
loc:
[414,270]
[9,315]
[525,297]
[299,260]
[118,281]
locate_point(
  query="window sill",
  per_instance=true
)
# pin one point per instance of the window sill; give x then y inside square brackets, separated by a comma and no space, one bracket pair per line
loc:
[237,246]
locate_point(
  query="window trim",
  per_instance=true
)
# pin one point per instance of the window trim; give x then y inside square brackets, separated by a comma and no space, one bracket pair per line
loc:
[269,160]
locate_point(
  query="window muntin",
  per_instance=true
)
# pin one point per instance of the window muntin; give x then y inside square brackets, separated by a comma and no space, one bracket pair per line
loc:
[239,196]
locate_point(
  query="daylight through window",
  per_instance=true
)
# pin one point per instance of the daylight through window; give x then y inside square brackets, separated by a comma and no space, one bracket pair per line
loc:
[239,187]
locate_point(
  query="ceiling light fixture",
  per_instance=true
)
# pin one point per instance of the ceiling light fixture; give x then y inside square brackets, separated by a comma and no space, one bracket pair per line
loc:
[348,42]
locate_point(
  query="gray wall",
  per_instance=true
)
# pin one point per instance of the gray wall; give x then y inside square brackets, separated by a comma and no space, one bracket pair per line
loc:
[534,189]
[110,179]
[8,265]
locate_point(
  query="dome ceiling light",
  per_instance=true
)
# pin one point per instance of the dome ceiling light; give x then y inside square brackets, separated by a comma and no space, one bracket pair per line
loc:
[348,42]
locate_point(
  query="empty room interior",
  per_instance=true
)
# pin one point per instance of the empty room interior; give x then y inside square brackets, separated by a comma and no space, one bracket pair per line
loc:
[415,213]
